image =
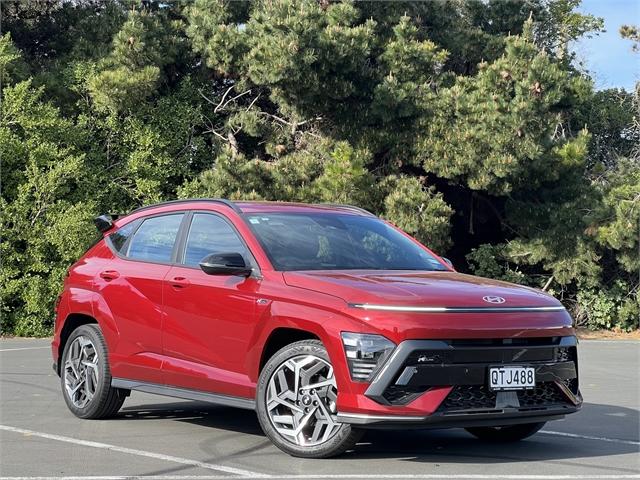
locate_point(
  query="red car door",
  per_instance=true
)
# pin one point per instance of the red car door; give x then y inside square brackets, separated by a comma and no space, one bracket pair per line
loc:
[208,319]
[130,284]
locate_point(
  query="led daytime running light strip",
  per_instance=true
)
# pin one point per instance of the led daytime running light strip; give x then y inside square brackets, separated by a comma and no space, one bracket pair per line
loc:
[399,308]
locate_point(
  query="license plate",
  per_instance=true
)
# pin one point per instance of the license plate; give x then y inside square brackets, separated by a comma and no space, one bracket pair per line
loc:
[512,378]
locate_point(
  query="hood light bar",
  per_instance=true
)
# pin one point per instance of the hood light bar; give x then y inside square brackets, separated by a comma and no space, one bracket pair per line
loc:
[400,308]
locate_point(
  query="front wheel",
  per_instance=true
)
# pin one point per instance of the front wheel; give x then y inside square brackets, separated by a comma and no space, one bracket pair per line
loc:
[511,433]
[296,403]
[86,377]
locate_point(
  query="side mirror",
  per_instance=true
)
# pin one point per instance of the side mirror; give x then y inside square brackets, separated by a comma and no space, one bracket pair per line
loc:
[225,264]
[447,261]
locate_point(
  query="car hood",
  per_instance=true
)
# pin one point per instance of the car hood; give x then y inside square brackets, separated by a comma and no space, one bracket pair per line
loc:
[421,289]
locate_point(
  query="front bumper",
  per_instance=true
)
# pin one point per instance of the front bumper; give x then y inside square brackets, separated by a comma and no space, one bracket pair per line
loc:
[498,418]
[418,369]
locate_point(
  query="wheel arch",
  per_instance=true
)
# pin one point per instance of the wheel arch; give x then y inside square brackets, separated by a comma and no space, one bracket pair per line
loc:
[73,321]
[286,322]
[281,337]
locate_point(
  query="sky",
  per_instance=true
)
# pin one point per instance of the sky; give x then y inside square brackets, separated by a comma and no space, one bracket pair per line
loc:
[607,56]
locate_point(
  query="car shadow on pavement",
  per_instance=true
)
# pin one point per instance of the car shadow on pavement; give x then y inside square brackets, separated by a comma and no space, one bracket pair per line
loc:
[434,446]
[199,413]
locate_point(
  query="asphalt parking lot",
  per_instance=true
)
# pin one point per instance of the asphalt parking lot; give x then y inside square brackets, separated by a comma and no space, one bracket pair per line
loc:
[174,439]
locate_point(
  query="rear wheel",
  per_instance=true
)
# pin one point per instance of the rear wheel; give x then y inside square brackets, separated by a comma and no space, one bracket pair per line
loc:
[511,433]
[296,403]
[85,375]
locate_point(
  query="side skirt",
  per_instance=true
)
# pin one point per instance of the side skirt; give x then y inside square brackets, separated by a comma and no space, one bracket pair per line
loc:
[197,395]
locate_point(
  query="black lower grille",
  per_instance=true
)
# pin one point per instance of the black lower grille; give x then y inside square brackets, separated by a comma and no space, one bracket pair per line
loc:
[474,397]
[545,394]
[469,397]
[400,395]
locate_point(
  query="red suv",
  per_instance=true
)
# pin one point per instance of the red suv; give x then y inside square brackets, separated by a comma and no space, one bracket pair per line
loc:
[324,319]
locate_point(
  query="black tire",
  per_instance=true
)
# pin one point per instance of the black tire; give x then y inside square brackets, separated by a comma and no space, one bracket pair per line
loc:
[346,436]
[511,433]
[106,400]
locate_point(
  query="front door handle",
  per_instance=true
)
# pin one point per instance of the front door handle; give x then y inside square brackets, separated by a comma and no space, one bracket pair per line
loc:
[109,275]
[179,282]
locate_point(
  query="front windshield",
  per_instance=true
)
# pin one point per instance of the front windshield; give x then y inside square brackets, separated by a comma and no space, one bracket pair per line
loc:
[331,241]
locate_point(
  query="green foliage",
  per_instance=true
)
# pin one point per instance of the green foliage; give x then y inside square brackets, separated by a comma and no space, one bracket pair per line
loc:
[419,211]
[610,117]
[45,224]
[324,172]
[492,261]
[632,33]
[121,87]
[10,64]
[563,24]
[608,308]
[214,27]
[466,123]
[496,131]
[620,216]
[345,179]
[309,58]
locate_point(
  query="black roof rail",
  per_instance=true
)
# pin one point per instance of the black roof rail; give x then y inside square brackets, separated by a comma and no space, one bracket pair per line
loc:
[221,201]
[348,207]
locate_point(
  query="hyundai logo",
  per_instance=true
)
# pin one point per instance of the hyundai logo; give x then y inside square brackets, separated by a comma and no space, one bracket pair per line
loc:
[493,299]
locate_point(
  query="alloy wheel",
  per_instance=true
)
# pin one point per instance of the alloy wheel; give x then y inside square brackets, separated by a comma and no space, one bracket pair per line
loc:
[81,371]
[301,400]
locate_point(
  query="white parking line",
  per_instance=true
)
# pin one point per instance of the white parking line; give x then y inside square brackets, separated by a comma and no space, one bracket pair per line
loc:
[23,348]
[131,451]
[589,437]
[238,473]
[340,477]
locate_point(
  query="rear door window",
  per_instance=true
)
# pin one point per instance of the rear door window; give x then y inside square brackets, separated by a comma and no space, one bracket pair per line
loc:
[155,239]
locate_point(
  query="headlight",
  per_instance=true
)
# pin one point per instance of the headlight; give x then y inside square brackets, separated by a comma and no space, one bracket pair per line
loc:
[365,353]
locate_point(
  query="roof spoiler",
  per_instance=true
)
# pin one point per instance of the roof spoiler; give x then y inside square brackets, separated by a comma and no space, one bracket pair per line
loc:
[104,222]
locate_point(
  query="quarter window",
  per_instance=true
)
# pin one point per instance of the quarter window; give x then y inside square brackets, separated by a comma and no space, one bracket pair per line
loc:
[210,234]
[119,238]
[155,238]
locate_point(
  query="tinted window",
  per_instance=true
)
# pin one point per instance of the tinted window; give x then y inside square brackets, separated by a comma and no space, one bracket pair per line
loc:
[337,242]
[119,239]
[210,234]
[155,238]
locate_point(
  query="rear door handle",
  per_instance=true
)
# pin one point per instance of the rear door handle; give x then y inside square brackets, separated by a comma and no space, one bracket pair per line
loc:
[109,275]
[179,282]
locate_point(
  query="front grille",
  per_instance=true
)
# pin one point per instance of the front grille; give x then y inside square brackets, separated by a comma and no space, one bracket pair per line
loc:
[543,395]
[479,397]
[490,353]
[464,364]
[400,395]
[469,397]
[505,342]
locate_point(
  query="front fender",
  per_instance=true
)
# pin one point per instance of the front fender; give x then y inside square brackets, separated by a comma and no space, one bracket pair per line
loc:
[323,323]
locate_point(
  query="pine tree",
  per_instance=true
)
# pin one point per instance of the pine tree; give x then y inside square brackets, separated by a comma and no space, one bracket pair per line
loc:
[466,123]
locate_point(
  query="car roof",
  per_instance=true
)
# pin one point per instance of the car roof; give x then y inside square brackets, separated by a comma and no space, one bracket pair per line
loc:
[249,207]
[264,207]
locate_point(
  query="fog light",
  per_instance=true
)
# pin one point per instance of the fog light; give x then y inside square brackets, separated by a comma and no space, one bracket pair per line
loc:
[365,354]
